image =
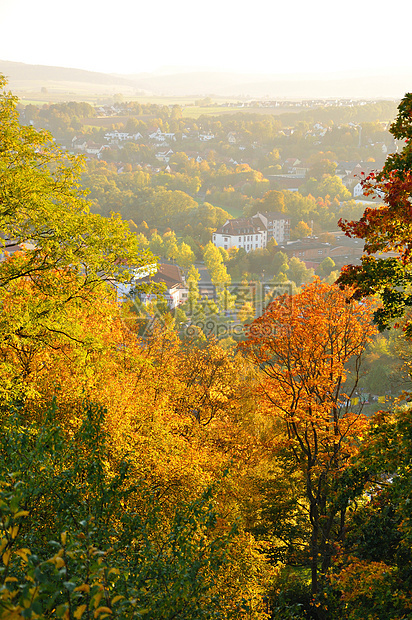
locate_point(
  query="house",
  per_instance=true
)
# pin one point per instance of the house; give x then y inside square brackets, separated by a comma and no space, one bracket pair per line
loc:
[358,190]
[205,137]
[161,137]
[345,249]
[8,247]
[164,155]
[308,249]
[241,233]
[115,137]
[252,233]
[156,135]
[291,182]
[79,144]
[277,225]
[176,290]
[291,162]
[94,149]
[356,173]
[312,251]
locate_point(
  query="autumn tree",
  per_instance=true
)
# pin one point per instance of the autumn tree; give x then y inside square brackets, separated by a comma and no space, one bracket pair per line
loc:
[309,348]
[387,228]
[65,253]
[218,272]
[300,231]
[186,256]
[272,201]
[82,535]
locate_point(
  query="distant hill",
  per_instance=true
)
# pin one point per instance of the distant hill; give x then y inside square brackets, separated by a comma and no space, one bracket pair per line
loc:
[25,78]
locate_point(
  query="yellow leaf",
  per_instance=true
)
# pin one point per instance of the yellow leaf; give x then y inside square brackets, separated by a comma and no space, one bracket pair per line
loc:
[97,599]
[117,598]
[63,537]
[79,611]
[23,553]
[101,610]
[6,557]
[14,531]
[21,513]
[83,588]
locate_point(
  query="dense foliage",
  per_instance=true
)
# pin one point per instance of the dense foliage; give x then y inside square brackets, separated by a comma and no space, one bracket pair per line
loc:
[151,472]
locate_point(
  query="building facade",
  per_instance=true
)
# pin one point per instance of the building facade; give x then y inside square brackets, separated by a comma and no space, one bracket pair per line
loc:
[252,233]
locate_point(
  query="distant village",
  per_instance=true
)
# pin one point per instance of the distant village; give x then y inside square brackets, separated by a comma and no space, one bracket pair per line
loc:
[152,139]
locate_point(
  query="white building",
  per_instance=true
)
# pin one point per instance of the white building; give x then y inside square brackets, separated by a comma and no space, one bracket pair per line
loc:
[115,137]
[240,233]
[175,291]
[252,233]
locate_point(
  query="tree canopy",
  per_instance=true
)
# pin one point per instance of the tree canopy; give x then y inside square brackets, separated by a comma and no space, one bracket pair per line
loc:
[387,229]
[43,207]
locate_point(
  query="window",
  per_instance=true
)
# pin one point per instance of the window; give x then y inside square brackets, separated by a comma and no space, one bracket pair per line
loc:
[225,239]
[320,251]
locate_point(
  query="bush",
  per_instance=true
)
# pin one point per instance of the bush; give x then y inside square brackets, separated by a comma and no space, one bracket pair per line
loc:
[290,597]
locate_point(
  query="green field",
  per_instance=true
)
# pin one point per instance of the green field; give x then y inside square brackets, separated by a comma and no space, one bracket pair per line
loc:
[189,109]
[235,212]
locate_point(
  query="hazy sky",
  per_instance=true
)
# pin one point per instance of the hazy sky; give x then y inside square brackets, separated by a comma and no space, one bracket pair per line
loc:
[263,36]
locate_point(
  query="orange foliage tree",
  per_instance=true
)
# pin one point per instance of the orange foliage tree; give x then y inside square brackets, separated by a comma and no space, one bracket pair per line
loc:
[179,406]
[308,348]
[386,265]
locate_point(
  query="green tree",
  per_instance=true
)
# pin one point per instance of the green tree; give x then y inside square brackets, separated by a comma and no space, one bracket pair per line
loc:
[373,572]
[43,207]
[157,244]
[272,201]
[66,253]
[186,256]
[214,263]
[328,185]
[298,272]
[326,267]
[280,263]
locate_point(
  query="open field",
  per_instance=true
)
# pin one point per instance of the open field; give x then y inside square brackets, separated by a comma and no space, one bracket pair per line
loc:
[219,107]
[235,212]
